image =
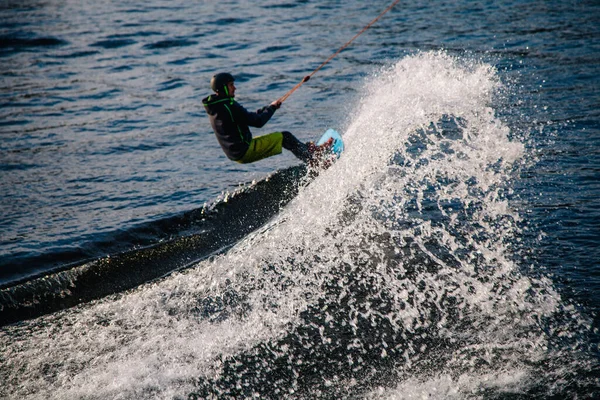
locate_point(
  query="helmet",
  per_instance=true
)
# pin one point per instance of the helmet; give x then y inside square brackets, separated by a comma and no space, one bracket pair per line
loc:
[220,80]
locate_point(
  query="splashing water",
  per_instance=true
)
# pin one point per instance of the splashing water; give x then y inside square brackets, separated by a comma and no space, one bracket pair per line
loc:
[391,275]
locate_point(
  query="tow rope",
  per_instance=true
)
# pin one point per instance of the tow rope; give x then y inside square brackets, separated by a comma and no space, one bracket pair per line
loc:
[307,77]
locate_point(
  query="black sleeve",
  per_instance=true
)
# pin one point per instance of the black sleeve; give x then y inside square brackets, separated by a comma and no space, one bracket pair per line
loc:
[256,119]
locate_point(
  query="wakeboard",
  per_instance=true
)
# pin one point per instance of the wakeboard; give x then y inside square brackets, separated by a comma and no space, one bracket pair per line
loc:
[337,146]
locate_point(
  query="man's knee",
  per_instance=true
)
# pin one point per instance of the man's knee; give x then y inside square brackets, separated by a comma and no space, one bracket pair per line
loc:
[289,140]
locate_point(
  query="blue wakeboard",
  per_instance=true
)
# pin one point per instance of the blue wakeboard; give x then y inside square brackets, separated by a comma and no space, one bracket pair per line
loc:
[338,144]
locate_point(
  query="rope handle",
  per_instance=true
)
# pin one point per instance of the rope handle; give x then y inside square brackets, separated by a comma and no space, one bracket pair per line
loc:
[307,77]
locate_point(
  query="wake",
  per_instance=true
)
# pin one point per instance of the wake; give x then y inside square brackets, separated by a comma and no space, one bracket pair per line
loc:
[391,274]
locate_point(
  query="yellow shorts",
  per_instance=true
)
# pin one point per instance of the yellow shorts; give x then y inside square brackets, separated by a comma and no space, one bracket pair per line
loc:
[263,147]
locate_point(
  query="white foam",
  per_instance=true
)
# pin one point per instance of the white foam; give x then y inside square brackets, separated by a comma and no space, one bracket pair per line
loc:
[447,387]
[398,164]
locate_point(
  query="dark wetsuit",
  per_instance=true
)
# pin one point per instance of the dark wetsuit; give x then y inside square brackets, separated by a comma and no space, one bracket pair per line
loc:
[231,123]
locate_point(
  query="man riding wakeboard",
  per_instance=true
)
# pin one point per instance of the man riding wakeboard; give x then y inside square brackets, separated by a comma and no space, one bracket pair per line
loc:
[231,123]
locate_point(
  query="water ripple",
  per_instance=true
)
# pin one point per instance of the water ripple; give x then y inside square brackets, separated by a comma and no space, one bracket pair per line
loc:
[113,43]
[170,43]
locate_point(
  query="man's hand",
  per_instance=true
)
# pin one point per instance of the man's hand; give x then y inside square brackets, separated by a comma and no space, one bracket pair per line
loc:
[276,104]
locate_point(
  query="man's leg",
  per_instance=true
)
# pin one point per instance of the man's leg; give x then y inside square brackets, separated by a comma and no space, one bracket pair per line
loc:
[269,145]
[262,147]
[299,149]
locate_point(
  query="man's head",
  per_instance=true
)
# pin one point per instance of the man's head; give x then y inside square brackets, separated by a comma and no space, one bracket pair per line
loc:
[222,83]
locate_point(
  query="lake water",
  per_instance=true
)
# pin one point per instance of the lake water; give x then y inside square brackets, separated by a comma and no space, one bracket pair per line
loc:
[451,252]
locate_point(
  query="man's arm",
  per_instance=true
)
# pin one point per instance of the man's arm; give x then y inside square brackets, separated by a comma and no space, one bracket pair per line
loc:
[259,118]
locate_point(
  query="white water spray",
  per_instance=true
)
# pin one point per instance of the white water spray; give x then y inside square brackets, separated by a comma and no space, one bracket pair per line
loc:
[395,262]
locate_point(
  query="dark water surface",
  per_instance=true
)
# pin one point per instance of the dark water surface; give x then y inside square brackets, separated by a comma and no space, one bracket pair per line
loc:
[453,252]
